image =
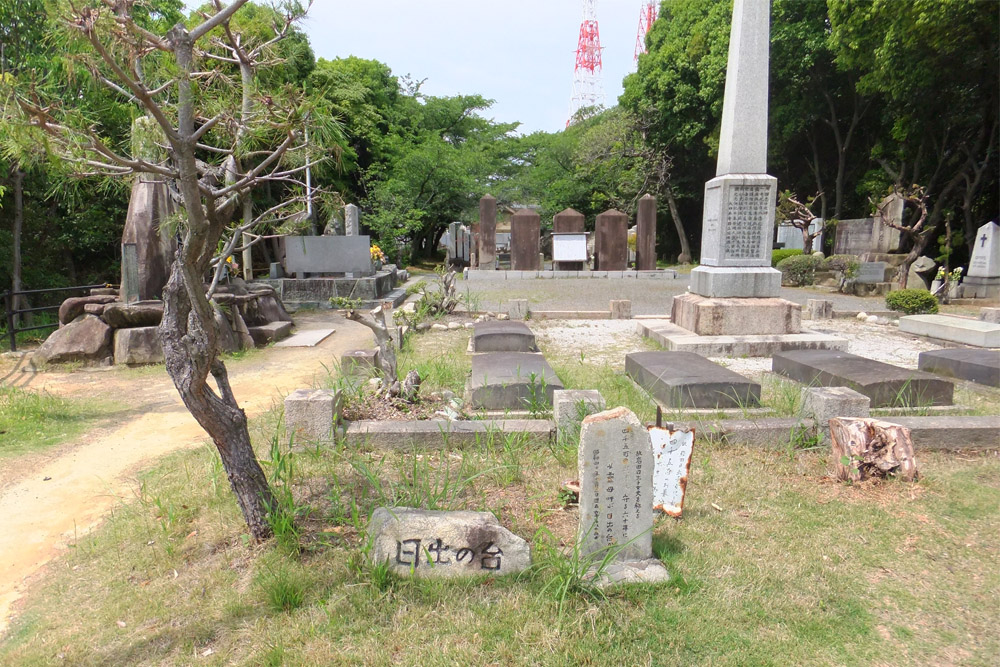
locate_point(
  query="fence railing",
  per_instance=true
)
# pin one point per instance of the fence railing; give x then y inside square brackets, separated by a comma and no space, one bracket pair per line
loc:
[11,313]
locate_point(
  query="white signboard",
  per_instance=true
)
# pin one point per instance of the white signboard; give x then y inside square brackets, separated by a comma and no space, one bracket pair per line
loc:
[671,466]
[568,247]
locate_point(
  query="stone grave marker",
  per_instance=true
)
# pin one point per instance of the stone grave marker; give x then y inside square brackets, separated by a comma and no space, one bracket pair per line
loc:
[130,273]
[487,232]
[983,278]
[982,366]
[511,381]
[645,234]
[672,464]
[615,464]
[611,245]
[427,543]
[502,336]
[524,240]
[870,273]
[687,380]
[352,220]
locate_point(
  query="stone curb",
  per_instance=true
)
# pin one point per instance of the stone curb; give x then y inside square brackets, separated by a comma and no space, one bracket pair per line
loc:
[433,433]
[660,274]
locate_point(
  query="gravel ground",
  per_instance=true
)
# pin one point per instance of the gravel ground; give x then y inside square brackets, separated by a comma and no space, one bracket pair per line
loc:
[649,297]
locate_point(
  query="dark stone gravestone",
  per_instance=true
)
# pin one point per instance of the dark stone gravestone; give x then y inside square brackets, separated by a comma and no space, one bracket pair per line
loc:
[502,336]
[524,240]
[689,380]
[870,273]
[487,232]
[645,234]
[981,366]
[886,385]
[611,246]
[511,381]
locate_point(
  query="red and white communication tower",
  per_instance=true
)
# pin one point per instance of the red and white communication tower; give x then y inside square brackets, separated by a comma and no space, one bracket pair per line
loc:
[588,90]
[647,14]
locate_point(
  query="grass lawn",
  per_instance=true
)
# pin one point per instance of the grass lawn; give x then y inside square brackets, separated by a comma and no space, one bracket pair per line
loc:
[773,562]
[31,421]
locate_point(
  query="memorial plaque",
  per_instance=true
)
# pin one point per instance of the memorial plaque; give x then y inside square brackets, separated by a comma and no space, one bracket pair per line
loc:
[738,219]
[615,464]
[672,464]
[569,247]
[870,273]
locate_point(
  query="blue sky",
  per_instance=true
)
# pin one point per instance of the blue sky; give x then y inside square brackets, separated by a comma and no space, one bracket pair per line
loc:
[517,52]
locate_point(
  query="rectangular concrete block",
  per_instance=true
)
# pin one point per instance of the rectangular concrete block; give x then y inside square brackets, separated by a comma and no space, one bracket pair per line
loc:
[981,366]
[886,385]
[138,345]
[312,414]
[570,406]
[511,381]
[621,309]
[954,329]
[736,317]
[825,403]
[360,362]
[269,333]
[688,380]
[517,309]
[502,336]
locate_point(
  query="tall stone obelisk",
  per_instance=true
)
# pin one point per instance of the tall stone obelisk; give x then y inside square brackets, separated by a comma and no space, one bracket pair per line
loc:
[738,220]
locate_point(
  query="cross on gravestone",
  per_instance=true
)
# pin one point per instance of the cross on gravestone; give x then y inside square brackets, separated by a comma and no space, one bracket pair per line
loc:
[982,241]
[615,464]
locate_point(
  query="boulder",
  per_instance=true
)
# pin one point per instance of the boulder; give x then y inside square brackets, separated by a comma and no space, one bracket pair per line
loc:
[139,345]
[920,275]
[73,307]
[271,308]
[96,309]
[139,314]
[229,341]
[86,339]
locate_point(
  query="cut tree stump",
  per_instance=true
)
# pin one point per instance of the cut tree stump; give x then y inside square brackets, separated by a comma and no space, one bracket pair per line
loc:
[864,448]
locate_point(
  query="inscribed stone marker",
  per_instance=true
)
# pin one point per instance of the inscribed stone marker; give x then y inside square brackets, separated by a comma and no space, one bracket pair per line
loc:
[524,235]
[611,245]
[645,234]
[615,464]
[672,464]
[986,252]
[352,220]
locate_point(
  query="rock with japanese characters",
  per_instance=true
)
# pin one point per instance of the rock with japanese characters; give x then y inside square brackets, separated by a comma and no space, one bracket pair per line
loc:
[429,543]
[615,463]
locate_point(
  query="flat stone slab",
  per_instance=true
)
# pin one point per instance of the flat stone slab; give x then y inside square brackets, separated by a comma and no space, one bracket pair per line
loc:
[955,329]
[269,333]
[502,336]
[981,366]
[675,338]
[440,433]
[511,381]
[646,571]
[309,338]
[688,380]
[425,543]
[886,385]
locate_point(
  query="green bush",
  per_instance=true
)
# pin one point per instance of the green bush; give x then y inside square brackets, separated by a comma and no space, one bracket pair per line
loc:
[845,264]
[911,301]
[784,253]
[799,269]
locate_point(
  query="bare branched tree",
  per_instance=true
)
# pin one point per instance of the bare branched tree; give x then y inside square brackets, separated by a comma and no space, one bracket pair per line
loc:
[917,234]
[222,136]
[799,215]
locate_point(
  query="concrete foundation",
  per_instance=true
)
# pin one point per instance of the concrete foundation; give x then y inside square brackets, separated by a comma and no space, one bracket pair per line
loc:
[736,317]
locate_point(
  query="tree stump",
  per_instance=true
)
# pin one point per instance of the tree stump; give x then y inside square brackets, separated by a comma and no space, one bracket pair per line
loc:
[864,448]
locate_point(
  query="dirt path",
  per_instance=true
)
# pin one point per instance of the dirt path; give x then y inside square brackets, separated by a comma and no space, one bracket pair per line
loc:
[49,499]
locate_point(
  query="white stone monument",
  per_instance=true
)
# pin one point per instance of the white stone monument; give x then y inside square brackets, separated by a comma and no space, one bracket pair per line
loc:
[738,220]
[352,220]
[983,279]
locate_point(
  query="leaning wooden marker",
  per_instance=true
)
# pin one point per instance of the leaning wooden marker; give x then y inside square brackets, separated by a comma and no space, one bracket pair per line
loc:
[671,465]
[864,448]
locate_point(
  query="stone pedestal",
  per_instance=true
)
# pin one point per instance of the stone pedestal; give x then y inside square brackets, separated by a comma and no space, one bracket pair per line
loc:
[736,317]
[736,281]
[487,232]
[524,238]
[645,234]
[611,245]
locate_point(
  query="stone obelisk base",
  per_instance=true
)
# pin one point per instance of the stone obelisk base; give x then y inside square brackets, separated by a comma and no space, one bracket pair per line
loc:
[706,316]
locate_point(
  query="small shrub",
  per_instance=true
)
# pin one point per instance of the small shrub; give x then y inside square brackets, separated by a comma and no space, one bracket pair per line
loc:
[799,269]
[784,253]
[911,301]
[345,303]
[845,264]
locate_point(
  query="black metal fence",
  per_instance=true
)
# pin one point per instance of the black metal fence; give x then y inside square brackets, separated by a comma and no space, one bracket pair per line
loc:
[11,312]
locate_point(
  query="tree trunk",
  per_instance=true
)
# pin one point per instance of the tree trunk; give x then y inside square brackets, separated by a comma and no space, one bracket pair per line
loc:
[864,448]
[685,256]
[18,302]
[189,347]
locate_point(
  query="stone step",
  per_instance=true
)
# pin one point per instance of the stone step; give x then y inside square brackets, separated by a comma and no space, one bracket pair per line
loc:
[981,366]
[269,333]
[688,380]
[675,338]
[886,385]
